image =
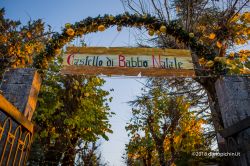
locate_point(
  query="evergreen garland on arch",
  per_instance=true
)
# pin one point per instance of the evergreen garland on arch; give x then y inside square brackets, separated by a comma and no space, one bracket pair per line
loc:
[151,23]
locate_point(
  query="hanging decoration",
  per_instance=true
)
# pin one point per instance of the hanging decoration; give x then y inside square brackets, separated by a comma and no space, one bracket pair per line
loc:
[205,53]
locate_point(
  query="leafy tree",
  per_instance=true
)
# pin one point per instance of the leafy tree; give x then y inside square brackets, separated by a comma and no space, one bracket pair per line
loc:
[88,154]
[220,25]
[163,124]
[141,149]
[20,43]
[70,109]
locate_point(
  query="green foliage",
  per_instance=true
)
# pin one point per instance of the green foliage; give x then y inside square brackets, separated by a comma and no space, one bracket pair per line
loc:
[100,23]
[70,108]
[224,26]
[20,43]
[163,120]
[72,105]
[88,154]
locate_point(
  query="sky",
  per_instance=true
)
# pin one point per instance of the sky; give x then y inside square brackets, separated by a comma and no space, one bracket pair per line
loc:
[58,12]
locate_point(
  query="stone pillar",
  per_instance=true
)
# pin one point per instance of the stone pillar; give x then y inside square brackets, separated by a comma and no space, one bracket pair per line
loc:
[234,101]
[19,91]
[21,87]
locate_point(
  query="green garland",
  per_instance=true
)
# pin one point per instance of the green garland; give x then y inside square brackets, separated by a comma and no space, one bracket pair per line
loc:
[90,25]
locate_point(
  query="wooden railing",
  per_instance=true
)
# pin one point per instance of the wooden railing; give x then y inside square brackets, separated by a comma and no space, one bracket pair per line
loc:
[16,133]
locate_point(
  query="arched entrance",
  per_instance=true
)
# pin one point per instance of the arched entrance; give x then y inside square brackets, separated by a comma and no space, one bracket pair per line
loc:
[152,24]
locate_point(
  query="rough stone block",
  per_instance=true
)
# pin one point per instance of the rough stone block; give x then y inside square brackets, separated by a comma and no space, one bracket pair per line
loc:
[234,100]
[21,87]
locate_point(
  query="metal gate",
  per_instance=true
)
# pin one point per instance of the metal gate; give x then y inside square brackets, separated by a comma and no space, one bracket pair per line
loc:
[16,133]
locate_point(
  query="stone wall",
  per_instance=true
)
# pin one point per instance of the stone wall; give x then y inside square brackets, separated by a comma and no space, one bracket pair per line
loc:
[18,96]
[21,87]
[234,100]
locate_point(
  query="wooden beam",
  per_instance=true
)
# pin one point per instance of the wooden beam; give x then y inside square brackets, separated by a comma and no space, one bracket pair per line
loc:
[88,70]
[17,116]
[236,128]
[127,51]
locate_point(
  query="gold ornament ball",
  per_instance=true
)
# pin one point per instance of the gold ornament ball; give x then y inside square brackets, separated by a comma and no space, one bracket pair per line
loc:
[98,81]
[101,28]
[191,34]
[151,32]
[209,64]
[70,32]
[57,51]
[67,25]
[202,61]
[158,32]
[29,34]
[212,36]
[218,44]
[163,29]
[119,28]
[111,18]
[231,55]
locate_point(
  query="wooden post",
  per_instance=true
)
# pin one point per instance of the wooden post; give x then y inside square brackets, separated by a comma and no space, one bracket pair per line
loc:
[234,101]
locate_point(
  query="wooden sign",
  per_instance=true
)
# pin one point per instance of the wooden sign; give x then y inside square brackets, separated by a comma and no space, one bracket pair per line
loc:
[127,61]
